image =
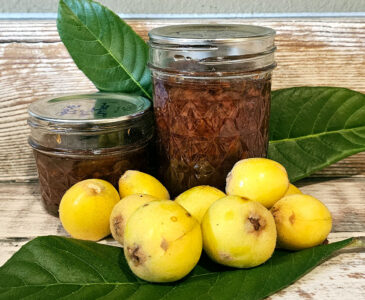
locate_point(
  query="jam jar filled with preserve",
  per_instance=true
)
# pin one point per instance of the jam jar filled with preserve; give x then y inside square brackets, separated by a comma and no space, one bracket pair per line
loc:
[88,136]
[211,88]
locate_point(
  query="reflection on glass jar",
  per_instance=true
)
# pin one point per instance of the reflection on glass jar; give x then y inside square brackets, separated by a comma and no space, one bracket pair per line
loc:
[212,87]
[88,136]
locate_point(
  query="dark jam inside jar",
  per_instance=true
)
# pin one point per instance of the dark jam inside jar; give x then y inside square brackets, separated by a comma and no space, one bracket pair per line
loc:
[204,126]
[212,87]
[89,136]
[57,173]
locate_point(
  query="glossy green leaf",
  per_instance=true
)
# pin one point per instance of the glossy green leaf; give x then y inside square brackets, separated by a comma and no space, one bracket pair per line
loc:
[56,267]
[104,47]
[313,127]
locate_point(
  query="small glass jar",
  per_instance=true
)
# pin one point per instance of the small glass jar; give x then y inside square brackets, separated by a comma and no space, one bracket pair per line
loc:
[212,86]
[88,136]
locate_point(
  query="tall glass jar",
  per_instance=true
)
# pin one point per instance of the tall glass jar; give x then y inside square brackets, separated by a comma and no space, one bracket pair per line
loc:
[88,136]
[212,86]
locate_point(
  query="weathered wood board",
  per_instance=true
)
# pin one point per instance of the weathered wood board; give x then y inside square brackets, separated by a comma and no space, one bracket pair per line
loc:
[34,64]
[328,52]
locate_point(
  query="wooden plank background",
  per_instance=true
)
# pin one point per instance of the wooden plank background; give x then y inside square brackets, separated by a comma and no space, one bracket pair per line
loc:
[34,64]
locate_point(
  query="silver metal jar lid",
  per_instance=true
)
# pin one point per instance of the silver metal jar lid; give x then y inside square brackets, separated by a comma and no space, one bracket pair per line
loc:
[87,110]
[212,47]
[90,123]
[199,34]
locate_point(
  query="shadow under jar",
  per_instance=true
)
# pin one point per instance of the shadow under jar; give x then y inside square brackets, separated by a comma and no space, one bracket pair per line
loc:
[211,88]
[88,136]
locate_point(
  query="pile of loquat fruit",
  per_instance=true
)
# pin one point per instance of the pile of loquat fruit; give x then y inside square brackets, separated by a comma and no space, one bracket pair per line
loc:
[163,239]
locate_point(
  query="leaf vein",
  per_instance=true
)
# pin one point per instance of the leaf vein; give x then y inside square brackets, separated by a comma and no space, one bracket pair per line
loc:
[307,152]
[286,158]
[352,114]
[316,135]
[321,109]
[298,114]
[81,260]
[74,292]
[335,112]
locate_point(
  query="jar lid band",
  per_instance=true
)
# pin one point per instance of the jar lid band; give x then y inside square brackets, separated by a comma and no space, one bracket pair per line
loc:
[209,34]
[211,48]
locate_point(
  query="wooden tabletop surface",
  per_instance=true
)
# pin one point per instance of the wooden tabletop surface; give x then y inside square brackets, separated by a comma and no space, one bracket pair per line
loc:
[328,52]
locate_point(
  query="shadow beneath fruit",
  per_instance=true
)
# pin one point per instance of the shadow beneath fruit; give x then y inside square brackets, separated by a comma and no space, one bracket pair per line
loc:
[207,265]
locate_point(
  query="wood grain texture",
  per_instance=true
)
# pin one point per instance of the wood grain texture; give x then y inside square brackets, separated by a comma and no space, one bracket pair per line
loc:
[34,64]
[341,277]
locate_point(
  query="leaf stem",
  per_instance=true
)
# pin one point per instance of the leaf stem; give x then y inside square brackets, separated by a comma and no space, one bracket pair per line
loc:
[358,244]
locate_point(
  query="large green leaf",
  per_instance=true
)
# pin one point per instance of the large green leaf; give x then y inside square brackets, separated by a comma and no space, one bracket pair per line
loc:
[313,127]
[54,267]
[104,47]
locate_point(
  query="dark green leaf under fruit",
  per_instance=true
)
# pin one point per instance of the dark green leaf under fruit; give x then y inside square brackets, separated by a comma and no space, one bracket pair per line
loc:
[54,267]
[313,127]
[104,47]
